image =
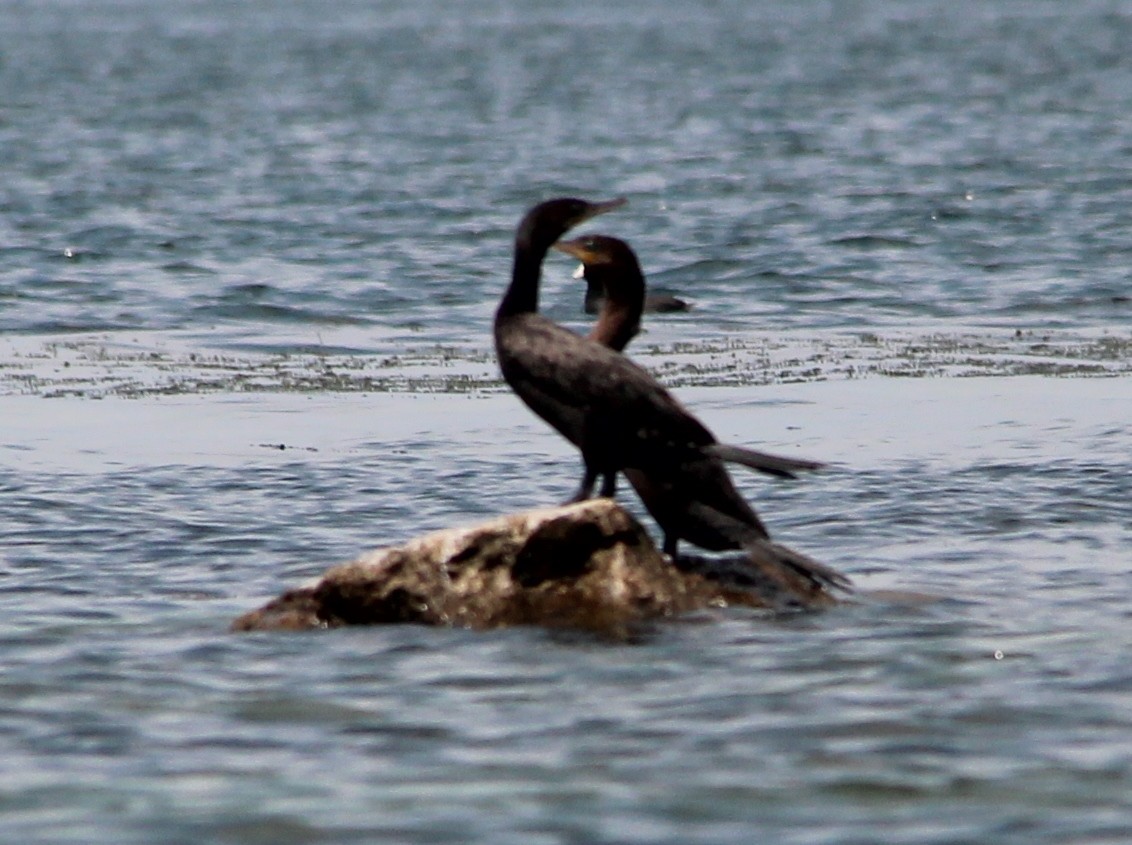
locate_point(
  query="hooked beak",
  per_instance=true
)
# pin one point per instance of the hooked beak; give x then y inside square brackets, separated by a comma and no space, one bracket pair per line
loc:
[593,210]
[576,249]
[596,208]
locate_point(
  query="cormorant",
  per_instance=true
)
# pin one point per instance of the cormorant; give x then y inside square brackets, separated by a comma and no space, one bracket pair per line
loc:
[617,414]
[695,500]
[545,364]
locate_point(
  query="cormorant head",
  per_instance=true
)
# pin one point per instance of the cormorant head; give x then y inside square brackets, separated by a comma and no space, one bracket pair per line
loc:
[548,221]
[601,251]
[613,277]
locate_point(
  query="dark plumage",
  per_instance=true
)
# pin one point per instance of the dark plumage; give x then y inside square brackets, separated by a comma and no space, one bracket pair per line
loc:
[689,493]
[549,367]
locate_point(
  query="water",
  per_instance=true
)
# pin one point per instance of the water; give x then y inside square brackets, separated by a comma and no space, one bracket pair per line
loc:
[254,175]
[226,228]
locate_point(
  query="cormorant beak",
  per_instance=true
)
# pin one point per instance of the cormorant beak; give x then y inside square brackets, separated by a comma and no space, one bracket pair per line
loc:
[577,250]
[596,208]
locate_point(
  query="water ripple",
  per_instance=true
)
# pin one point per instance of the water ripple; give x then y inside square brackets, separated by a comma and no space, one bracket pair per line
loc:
[251,253]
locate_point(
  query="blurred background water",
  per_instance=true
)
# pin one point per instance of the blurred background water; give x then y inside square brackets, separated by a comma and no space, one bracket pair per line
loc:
[260,172]
[345,177]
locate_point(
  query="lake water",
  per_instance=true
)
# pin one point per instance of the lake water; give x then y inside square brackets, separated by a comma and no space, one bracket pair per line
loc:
[249,255]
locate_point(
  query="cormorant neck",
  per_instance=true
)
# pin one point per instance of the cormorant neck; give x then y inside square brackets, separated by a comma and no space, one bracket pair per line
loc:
[595,295]
[619,320]
[616,326]
[521,296]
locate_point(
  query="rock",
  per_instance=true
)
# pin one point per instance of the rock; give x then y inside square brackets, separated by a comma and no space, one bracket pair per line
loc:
[590,565]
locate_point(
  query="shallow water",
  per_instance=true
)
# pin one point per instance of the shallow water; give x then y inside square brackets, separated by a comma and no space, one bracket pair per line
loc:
[992,708]
[248,260]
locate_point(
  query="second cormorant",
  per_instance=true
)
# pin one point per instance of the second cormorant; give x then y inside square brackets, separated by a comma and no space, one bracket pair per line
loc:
[698,501]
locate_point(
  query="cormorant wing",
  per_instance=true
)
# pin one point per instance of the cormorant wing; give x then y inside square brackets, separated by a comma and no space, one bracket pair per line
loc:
[578,386]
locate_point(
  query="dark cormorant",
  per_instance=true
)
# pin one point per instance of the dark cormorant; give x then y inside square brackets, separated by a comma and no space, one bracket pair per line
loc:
[548,366]
[695,500]
[617,414]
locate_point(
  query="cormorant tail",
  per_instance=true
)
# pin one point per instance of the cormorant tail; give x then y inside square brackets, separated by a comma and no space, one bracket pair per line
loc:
[762,461]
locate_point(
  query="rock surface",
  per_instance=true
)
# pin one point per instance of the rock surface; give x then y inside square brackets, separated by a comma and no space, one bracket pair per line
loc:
[589,565]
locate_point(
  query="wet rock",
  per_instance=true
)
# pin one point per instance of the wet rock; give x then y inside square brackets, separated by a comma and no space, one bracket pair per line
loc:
[589,565]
